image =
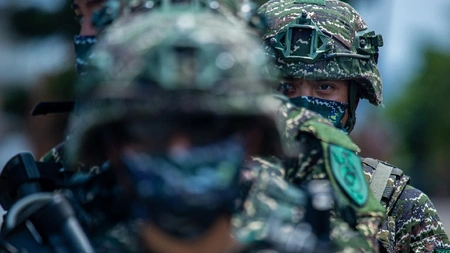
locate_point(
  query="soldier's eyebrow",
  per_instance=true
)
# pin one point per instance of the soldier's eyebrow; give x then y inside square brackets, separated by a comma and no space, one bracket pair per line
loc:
[290,79]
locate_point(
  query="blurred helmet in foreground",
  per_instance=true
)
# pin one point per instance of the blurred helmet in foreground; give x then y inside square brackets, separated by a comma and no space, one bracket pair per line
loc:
[192,90]
[234,10]
[239,12]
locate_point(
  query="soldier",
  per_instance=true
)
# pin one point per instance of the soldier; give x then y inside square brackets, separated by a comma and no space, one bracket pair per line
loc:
[328,58]
[175,106]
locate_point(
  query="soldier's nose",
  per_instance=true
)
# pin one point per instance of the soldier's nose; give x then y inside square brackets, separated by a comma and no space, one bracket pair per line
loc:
[304,89]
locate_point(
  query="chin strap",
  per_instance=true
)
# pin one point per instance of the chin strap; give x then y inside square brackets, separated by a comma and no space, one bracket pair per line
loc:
[353,99]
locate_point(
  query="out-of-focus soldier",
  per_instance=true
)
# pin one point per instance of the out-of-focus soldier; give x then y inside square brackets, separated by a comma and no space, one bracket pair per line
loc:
[175,105]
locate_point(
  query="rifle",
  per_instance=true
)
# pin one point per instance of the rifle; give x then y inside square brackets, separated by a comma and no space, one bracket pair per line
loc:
[45,205]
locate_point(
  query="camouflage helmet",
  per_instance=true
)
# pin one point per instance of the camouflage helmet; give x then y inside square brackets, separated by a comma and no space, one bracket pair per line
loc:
[237,11]
[174,62]
[323,39]
[113,9]
[161,69]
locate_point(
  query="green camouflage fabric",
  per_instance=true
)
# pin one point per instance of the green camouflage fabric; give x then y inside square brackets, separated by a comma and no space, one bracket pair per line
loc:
[239,13]
[412,223]
[120,62]
[82,46]
[56,154]
[270,199]
[122,237]
[345,57]
[112,9]
[136,73]
[236,11]
[116,66]
[269,190]
[321,137]
[354,226]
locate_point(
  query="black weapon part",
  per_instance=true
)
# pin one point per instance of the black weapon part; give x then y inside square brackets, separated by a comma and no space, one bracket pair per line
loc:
[43,108]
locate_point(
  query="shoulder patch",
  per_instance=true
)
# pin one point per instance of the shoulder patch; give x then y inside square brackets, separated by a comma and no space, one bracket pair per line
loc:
[442,250]
[347,169]
[329,134]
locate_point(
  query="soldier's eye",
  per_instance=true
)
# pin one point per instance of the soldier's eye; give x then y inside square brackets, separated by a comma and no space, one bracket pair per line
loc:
[287,88]
[325,86]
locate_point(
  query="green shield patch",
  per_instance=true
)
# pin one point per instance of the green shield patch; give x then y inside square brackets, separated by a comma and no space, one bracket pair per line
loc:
[442,250]
[348,171]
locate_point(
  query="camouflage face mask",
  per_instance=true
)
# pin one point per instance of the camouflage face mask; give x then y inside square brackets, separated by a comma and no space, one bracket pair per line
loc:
[188,187]
[331,110]
[83,45]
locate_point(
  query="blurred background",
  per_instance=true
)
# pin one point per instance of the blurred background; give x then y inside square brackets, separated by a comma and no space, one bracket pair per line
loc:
[411,129]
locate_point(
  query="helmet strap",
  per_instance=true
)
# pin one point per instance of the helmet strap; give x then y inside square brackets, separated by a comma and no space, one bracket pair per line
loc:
[353,100]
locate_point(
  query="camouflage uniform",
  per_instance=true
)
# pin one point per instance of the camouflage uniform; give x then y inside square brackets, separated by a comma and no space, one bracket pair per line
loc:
[56,154]
[412,223]
[306,43]
[314,141]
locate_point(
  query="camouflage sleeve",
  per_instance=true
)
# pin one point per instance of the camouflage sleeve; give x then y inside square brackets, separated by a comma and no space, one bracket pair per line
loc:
[352,240]
[263,200]
[273,204]
[412,223]
[55,154]
[418,227]
[309,140]
[122,237]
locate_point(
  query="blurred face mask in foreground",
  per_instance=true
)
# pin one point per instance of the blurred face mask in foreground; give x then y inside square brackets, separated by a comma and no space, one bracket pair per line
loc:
[186,184]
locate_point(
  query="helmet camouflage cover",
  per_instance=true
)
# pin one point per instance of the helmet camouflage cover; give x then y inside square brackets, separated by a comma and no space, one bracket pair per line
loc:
[173,62]
[237,11]
[107,11]
[323,40]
